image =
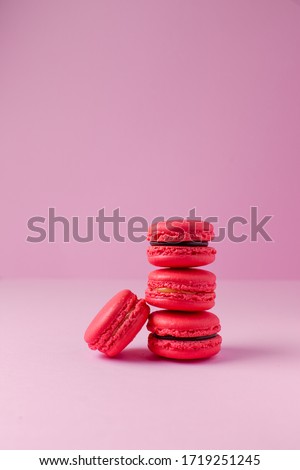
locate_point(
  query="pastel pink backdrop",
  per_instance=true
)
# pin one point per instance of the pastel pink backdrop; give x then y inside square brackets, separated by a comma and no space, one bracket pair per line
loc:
[154,107]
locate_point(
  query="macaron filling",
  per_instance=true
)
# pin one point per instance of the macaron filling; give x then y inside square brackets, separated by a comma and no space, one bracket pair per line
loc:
[178,338]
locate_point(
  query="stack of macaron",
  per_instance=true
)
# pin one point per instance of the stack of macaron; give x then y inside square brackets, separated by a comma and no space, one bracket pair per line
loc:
[117,323]
[185,329]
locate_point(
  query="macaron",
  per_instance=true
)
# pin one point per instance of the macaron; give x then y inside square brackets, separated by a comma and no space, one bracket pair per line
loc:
[182,335]
[117,323]
[181,289]
[180,243]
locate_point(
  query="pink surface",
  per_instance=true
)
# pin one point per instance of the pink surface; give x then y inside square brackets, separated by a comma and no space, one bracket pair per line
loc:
[56,393]
[155,107]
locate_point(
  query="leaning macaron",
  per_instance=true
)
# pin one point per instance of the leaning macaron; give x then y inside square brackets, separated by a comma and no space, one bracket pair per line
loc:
[117,323]
[181,335]
[181,289]
[180,243]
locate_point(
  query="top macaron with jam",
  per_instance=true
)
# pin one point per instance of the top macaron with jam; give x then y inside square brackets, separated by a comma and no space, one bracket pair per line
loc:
[180,243]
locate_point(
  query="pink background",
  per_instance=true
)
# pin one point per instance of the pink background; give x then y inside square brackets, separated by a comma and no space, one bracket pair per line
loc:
[155,107]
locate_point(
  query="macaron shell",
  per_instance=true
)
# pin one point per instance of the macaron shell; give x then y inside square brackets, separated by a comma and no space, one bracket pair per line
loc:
[181,289]
[117,323]
[184,350]
[183,324]
[180,256]
[128,330]
[121,302]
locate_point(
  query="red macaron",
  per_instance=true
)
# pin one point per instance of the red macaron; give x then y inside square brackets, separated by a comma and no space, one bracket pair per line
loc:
[180,256]
[178,231]
[117,323]
[181,289]
[180,243]
[182,335]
